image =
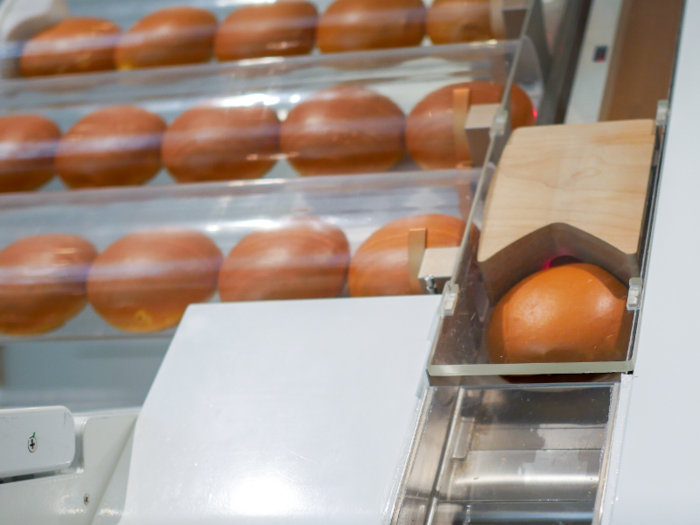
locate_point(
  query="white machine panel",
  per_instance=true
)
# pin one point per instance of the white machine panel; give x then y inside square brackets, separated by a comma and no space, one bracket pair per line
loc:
[594,61]
[660,457]
[279,412]
[35,440]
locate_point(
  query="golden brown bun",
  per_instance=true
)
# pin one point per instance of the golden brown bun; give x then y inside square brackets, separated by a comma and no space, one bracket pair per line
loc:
[145,281]
[168,37]
[42,282]
[522,112]
[75,45]
[217,143]
[345,129]
[27,147]
[356,25]
[284,28]
[430,129]
[380,265]
[302,259]
[454,21]
[114,146]
[571,313]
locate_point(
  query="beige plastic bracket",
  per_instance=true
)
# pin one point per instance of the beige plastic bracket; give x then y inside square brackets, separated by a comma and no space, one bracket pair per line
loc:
[477,129]
[437,267]
[461,101]
[417,241]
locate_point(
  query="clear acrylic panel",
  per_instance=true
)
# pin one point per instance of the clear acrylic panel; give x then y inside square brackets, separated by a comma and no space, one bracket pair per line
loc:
[460,349]
[345,209]
[25,20]
[247,114]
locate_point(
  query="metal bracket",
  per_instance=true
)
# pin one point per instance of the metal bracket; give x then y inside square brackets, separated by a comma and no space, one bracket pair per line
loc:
[634,295]
[436,268]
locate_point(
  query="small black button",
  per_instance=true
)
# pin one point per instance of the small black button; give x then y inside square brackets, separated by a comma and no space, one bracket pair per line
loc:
[601,53]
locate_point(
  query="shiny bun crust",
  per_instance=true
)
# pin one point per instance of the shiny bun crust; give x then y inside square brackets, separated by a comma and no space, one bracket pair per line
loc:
[114,146]
[357,25]
[454,21]
[346,129]
[27,147]
[571,313]
[74,45]
[302,259]
[521,110]
[284,28]
[144,282]
[168,37]
[42,282]
[380,265]
[208,143]
[430,128]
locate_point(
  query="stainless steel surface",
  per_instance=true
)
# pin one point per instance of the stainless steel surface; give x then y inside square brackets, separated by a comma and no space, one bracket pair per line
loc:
[514,513]
[505,475]
[530,454]
[613,442]
[416,492]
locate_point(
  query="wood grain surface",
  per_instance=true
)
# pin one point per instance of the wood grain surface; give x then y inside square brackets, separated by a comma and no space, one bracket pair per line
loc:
[577,189]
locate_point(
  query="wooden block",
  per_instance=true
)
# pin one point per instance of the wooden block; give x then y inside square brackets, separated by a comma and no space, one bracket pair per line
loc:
[576,190]
[461,99]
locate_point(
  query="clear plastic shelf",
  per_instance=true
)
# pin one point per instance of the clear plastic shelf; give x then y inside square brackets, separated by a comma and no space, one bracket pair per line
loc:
[397,80]
[348,209]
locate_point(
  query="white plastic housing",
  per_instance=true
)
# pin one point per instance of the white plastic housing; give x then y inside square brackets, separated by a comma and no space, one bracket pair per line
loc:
[35,440]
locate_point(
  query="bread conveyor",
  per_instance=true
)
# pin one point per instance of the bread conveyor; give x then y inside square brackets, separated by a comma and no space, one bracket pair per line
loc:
[522,453]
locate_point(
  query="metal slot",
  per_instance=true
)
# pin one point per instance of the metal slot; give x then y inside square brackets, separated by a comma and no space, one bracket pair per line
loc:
[525,475]
[520,454]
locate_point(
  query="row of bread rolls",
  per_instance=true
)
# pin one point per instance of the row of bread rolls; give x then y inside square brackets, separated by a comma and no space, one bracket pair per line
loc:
[144,281]
[342,130]
[189,35]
